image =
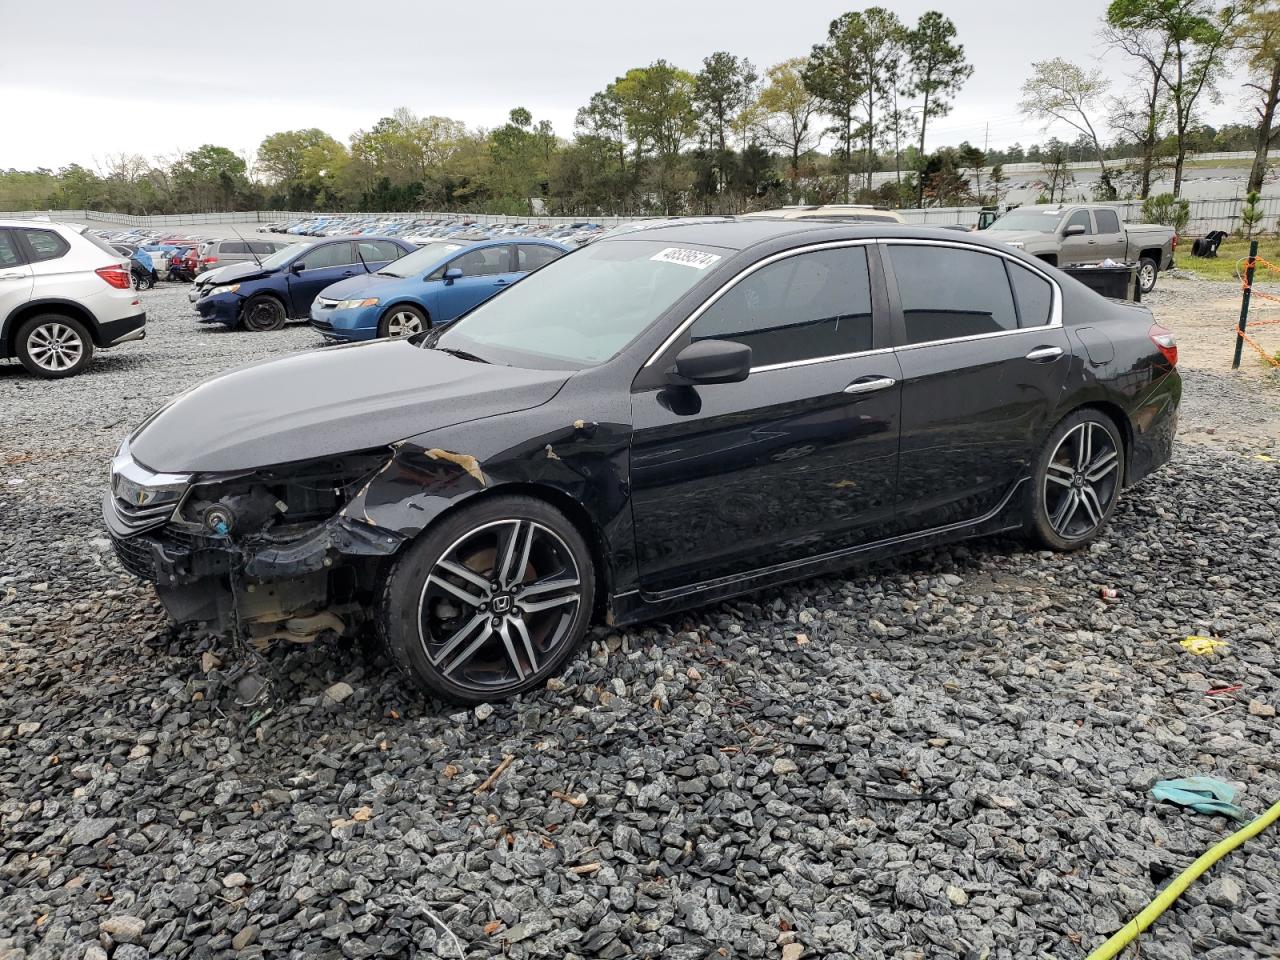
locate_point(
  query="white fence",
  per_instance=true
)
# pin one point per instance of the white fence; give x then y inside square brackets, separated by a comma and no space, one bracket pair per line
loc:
[1206,215]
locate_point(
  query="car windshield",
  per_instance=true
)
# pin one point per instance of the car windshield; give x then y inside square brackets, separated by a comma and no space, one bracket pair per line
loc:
[583,308]
[1032,219]
[420,261]
[284,255]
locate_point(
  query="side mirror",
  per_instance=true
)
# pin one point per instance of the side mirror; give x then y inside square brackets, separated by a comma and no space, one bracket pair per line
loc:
[452,274]
[297,266]
[711,361]
[1075,230]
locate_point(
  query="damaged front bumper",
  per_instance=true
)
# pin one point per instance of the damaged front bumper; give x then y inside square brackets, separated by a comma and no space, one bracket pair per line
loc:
[258,587]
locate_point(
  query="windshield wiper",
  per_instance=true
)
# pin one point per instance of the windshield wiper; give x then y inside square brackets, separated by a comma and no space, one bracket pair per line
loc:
[461,354]
[388,273]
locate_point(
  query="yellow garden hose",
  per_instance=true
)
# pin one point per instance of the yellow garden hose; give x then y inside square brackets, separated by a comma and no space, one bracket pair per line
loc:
[1129,932]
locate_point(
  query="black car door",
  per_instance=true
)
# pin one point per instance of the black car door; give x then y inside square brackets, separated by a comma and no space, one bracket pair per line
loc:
[982,371]
[799,458]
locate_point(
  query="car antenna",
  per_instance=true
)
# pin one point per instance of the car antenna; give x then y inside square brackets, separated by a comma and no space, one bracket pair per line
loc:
[248,247]
[356,244]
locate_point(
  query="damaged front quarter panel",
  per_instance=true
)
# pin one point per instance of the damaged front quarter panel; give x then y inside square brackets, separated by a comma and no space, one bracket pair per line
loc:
[582,462]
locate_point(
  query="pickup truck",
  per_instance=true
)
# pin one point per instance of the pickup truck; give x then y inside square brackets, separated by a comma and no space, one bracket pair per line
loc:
[1087,233]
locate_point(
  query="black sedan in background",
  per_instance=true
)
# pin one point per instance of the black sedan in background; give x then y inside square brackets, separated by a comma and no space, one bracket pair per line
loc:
[664,418]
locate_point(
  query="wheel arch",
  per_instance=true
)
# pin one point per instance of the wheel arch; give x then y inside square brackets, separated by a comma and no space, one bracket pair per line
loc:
[573,510]
[1154,254]
[1116,414]
[405,301]
[69,308]
[271,292]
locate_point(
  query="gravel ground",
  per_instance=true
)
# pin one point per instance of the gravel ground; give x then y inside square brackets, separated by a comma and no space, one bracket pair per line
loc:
[944,756]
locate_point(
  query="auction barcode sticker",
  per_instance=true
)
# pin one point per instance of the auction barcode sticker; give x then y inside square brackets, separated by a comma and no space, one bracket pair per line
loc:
[689,258]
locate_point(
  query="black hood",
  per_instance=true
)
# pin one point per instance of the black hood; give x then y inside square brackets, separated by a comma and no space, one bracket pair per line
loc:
[330,401]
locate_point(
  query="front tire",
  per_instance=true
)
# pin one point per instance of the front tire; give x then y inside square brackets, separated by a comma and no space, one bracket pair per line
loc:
[1077,481]
[491,602]
[262,312]
[1148,271]
[402,320]
[54,346]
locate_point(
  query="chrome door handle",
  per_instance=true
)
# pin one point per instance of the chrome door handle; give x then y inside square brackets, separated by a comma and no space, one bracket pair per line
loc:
[1045,353]
[870,384]
[13,276]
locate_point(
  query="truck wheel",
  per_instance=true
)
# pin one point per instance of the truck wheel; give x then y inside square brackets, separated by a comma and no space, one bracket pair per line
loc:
[1148,270]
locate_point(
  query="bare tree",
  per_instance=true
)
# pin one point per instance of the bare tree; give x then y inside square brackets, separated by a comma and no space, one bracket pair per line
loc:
[1058,90]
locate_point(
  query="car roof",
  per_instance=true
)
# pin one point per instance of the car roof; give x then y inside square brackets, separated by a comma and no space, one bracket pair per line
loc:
[739,233]
[359,236]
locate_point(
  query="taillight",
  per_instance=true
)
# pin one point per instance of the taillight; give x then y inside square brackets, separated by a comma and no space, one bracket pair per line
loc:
[210,259]
[116,275]
[1174,245]
[1165,342]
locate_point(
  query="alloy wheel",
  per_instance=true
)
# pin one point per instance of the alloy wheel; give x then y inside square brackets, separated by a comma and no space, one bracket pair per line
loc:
[403,323]
[1080,480]
[1147,275]
[54,347]
[498,604]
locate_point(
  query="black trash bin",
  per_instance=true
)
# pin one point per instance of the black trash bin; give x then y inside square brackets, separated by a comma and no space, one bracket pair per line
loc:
[1119,282]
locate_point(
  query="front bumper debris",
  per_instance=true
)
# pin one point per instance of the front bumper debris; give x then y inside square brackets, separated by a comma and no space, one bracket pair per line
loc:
[261,585]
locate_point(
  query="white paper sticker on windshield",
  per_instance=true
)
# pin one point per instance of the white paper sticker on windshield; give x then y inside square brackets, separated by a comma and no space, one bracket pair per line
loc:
[688,258]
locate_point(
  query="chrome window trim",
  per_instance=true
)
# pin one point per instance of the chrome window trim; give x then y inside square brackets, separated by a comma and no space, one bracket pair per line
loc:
[1055,311]
[806,363]
[736,278]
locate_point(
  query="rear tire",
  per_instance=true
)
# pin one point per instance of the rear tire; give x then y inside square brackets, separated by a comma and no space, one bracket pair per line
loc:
[403,320]
[1077,481]
[491,602]
[1148,271]
[54,346]
[262,312]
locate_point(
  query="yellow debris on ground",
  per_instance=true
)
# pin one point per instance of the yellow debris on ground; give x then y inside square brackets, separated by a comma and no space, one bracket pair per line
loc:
[1202,646]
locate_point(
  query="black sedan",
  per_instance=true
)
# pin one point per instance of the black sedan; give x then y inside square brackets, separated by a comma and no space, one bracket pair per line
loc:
[664,418]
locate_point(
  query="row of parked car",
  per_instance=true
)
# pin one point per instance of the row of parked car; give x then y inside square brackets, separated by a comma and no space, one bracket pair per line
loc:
[420,230]
[360,287]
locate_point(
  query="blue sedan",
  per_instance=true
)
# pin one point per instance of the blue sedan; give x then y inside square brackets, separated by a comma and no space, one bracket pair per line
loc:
[263,295]
[430,287]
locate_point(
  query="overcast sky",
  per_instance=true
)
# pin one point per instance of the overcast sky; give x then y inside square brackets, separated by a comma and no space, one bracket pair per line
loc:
[83,80]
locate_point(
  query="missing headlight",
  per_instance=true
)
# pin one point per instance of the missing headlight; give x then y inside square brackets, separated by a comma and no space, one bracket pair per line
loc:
[279,501]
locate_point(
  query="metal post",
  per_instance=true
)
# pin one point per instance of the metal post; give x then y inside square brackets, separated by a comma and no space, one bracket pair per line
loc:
[1244,301]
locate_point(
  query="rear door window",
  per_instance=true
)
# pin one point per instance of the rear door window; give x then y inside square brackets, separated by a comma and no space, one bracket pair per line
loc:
[44,245]
[947,292]
[530,256]
[233,246]
[379,250]
[1108,221]
[9,256]
[807,307]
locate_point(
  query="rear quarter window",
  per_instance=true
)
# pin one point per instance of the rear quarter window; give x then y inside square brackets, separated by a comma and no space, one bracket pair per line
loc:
[1034,295]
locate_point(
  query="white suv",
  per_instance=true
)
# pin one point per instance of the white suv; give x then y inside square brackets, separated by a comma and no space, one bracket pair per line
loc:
[63,293]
